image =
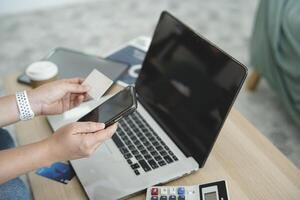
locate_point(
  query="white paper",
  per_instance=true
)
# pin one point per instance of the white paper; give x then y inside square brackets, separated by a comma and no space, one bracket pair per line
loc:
[98,82]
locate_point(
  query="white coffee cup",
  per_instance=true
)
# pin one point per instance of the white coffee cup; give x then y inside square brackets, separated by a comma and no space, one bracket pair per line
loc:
[41,72]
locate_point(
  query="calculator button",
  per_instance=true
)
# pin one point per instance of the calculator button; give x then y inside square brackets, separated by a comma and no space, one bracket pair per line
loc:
[180,190]
[191,192]
[172,197]
[181,197]
[154,198]
[163,198]
[154,191]
[172,191]
[164,191]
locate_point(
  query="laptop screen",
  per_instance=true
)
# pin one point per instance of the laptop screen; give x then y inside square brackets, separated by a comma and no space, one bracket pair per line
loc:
[188,85]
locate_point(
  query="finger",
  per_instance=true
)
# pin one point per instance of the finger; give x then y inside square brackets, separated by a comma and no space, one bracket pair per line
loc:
[74,80]
[87,127]
[75,100]
[75,97]
[72,102]
[76,88]
[87,97]
[78,100]
[105,134]
[66,102]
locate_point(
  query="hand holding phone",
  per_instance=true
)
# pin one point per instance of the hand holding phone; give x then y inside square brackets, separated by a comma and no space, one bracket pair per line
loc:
[112,110]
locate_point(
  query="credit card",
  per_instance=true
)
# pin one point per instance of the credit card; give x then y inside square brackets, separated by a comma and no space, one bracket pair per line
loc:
[59,171]
[99,84]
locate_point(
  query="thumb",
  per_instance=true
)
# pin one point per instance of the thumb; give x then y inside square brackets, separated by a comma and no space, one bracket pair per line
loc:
[105,134]
[75,88]
[87,127]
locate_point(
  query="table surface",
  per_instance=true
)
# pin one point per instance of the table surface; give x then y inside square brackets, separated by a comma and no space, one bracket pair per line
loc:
[252,166]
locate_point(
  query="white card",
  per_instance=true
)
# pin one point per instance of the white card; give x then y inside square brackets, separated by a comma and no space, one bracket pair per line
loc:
[98,83]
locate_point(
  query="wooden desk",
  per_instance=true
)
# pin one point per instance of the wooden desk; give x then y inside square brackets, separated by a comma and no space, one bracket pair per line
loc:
[252,166]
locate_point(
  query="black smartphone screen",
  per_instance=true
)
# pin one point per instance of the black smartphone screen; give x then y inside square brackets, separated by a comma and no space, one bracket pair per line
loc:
[112,109]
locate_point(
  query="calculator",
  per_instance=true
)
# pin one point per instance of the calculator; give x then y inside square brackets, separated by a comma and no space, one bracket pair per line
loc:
[210,191]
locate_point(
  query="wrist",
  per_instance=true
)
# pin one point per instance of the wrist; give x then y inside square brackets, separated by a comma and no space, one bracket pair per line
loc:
[50,156]
[34,103]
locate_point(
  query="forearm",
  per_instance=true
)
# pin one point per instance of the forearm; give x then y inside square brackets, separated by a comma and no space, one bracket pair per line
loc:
[18,161]
[9,112]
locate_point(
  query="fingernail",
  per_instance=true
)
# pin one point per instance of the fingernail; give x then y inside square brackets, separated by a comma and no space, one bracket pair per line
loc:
[101,125]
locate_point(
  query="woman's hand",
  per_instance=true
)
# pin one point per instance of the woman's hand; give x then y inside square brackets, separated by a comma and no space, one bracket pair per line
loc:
[73,141]
[57,97]
[77,140]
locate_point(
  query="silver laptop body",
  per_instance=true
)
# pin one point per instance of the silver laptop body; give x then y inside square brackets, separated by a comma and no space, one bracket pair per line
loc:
[185,89]
[107,174]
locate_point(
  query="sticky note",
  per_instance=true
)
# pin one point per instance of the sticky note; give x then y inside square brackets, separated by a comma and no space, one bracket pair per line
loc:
[98,83]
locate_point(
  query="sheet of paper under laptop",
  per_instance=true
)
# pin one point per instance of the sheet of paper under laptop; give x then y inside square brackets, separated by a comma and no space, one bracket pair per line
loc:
[99,84]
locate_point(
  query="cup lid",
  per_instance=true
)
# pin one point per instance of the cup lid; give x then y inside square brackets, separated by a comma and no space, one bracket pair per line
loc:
[41,70]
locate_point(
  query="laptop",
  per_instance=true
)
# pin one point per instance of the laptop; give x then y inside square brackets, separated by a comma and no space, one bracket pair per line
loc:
[185,90]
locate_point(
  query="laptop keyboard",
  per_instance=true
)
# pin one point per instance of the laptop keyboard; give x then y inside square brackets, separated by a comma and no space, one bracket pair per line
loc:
[143,149]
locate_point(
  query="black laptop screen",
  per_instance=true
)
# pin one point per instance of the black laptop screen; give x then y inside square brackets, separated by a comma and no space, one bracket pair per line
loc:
[188,85]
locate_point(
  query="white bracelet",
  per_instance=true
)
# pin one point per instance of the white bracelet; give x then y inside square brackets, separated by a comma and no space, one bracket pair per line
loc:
[25,111]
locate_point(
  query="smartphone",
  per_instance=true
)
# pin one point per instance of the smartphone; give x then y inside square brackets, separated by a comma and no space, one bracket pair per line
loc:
[115,108]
